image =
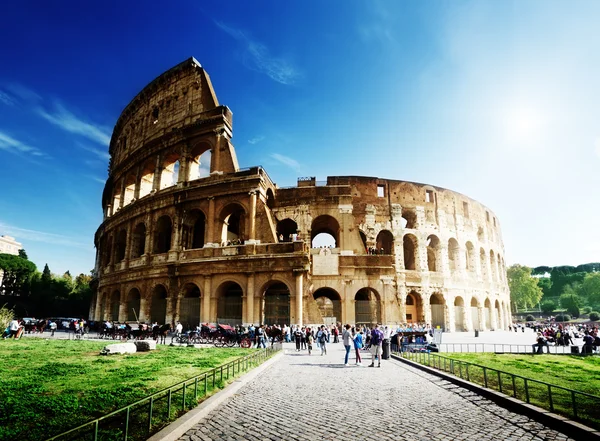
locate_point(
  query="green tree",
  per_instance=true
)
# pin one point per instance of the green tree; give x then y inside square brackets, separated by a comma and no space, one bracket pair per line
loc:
[570,300]
[548,306]
[16,275]
[590,288]
[46,274]
[23,254]
[546,284]
[524,289]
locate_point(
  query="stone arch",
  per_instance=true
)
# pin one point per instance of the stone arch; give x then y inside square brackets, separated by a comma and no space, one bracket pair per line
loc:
[194,229]
[453,255]
[433,253]
[130,182]
[493,266]
[163,234]
[367,307]
[147,178]
[475,314]
[327,226]
[409,216]
[133,304]
[438,310]
[271,199]
[483,263]
[498,315]
[189,306]
[276,303]
[414,307]
[470,257]
[229,303]
[410,245]
[459,314]
[233,224]
[330,305]
[115,304]
[116,202]
[158,306]
[138,246]
[480,234]
[286,229]
[385,242]
[170,171]
[199,163]
[487,313]
[120,246]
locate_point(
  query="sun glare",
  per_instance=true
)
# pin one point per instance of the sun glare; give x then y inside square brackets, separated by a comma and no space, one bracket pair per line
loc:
[524,124]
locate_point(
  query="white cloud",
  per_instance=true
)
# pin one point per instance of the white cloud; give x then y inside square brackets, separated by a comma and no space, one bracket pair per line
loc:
[71,123]
[285,160]
[100,153]
[6,99]
[13,145]
[95,179]
[256,140]
[258,58]
[23,92]
[378,23]
[41,236]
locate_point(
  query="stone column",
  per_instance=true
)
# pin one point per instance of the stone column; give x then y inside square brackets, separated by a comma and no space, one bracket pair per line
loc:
[299,297]
[176,245]
[216,152]
[149,233]
[210,222]
[157,173]
[249,317]
[444,264]
[348,312]
[482,321]
[205,316]
[183,173]
[128,244]
[252,220]
[143,317]
[99,300]
[426,306]
[401,296]
[451,315]
[122,199]
[138,183]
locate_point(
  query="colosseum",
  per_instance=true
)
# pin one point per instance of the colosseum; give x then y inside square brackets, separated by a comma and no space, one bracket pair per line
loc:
[189,236]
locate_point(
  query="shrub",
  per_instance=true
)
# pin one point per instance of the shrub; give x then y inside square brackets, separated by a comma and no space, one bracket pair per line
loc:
[574,311]
[6,316]
[594,316]
[548,306]
[563,318]
[530,318]
[586,309]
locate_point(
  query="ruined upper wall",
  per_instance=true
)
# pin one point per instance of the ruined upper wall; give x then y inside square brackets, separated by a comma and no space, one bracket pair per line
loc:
[177,98]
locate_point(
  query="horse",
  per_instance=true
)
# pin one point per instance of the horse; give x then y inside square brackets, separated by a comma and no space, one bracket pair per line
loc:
[275,334]
[159,333]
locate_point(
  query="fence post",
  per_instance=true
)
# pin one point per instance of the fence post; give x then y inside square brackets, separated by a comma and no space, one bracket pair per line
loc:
[183,401]
[514,387]
[499,382]
[467,369]
[169,405]
[485,377]
[150,414]
[96,430]
[526,390]
[126,423]
[574,403]
[196,389]
[550,398]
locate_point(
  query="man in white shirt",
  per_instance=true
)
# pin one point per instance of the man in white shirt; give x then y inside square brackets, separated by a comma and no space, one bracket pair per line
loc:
[178,329]
[14,328]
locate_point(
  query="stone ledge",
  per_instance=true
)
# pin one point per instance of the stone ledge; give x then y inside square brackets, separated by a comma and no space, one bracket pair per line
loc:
[554,421]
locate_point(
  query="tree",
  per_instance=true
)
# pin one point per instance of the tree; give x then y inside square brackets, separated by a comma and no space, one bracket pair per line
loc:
[590,288]
[524,289]
[546,284]
[548,306]
[23,254]
[570,300]
[46,274]
[16,275]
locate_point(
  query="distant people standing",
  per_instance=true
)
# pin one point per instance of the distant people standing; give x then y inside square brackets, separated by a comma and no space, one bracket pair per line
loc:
[348,342]
[52,328]
[358,344]
[322,338]
[336,334]
[309,340]
[376,342]
[178,329]
[260,337]
[13,328]
[298,338]
[303,338]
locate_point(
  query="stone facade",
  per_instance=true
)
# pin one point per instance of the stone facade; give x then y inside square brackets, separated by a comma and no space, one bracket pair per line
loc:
[189,236]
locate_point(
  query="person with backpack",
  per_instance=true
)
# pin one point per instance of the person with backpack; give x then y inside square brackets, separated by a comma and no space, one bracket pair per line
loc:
[376,342]
[322,339]
[358,344]
[348,342]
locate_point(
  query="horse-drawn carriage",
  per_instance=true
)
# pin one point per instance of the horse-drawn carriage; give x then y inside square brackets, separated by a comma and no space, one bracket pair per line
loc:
[230,337]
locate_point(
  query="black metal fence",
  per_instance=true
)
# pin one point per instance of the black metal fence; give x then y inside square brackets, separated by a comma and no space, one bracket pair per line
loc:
[504,348]
[575,405]
[139,420]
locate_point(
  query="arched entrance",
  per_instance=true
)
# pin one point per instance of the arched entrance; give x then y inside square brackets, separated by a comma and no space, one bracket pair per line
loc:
[189,306]
[286,230]
[233,219]
[115,303]
[330,305]
[327,229]
[193,230]
[433,252]
[410,245]
[487,312]
[414,308]
[162,238]
[498,316]
[133,305]
[229,306]
[366,307]
[277,305]
[158,311]
[385,242]
[438,316]
[459,314]
[475,314]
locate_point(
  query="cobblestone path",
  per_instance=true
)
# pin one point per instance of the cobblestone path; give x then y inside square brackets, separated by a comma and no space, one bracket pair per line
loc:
[317,398]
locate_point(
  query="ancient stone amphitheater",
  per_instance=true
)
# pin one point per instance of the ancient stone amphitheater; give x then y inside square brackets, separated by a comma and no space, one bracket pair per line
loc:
[189,236]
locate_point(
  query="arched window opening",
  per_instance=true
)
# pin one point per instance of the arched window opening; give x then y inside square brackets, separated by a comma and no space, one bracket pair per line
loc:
[363,238]
[147,179]
[475,314]
[493,266]
[498,316]
[115,304]
[470,257]
[487,312]
[385,242]
[270,199]
[330,305]
[194,227]
[483,263]
[459,314]
[129,189]
[366,307]
[410,218]
[106,249]
[121,246]
[199,165]
[480,235]
[409,243]
[133,305]
[327,229]
[158,311]
[170,172]
[453,255]
[277,305]
[286,229]
[438,316]
[162,239]
[229,306]
[117,197]
[189,306]
[233,218]
[139,241]
[433,252]
[414,308]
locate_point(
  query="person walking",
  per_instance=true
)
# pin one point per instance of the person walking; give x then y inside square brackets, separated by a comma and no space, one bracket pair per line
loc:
[376,342]
[322,339]
[298,338]
[309,340]
[358,344]
[348,342]
[260,337]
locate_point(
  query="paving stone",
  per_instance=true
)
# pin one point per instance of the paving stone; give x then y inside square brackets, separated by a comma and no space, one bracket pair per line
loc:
[304,397]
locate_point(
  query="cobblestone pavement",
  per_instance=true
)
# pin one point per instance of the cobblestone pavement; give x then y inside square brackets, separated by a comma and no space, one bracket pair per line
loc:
[316,397]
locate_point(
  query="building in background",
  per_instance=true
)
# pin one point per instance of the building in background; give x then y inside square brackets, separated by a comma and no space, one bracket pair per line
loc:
[8,245]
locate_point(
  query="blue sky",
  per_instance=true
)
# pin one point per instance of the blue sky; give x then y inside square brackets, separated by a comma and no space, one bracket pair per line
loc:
[498,100]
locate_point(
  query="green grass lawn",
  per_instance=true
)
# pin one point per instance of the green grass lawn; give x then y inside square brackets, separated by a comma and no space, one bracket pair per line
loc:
[578,373]
[49,386]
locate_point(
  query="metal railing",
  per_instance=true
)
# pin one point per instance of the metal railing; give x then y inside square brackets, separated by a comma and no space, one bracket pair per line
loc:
[576,405]
[140,419]
[500,348]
